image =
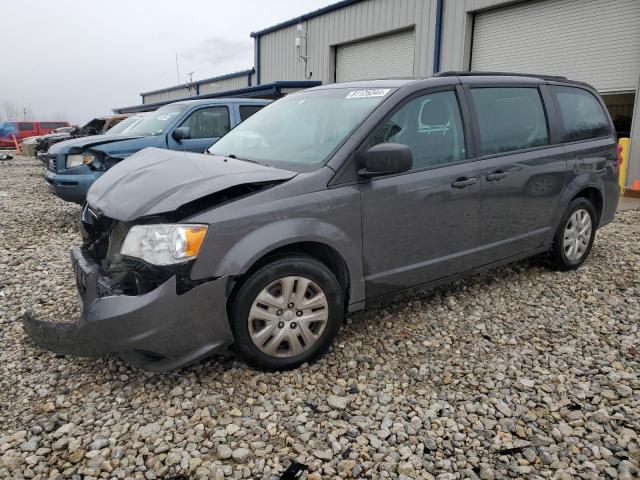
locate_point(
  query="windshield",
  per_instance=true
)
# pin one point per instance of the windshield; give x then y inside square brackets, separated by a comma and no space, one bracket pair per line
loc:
[300,131]
[124,124]
[157,122]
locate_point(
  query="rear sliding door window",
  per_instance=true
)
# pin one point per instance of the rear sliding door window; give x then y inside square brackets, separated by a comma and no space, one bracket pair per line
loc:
[582,115]
[509,119]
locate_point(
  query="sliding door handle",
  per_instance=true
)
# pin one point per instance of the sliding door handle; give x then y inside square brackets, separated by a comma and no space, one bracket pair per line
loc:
[464,182]
[492,177]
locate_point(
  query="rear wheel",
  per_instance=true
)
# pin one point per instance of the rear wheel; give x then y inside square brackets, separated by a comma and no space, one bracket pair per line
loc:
[287,313]
[575,235]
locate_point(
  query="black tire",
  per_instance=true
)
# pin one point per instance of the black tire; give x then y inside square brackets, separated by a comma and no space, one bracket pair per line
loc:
[294,265]
[558,256]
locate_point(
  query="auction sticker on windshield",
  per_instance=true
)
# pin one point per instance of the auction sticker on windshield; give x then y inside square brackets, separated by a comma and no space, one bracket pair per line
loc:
[376,92]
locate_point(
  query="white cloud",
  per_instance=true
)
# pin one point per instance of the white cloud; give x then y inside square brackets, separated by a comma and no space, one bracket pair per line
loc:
[86,57]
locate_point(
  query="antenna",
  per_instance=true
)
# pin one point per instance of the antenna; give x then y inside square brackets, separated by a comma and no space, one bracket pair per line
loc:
[190,82]
[302,35]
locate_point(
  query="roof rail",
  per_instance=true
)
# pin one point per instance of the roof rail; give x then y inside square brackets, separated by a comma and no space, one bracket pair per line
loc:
[497,74]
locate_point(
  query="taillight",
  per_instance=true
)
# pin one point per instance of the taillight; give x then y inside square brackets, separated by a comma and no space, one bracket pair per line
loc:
[620,159]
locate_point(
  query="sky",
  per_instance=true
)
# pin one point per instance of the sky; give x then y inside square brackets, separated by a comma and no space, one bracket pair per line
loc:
[78,59]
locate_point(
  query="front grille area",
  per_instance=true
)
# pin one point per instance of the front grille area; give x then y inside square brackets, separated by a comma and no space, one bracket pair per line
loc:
[96,233]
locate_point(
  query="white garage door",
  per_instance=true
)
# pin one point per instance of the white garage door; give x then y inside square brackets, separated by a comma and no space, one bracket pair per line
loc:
[595,41]
[390,56]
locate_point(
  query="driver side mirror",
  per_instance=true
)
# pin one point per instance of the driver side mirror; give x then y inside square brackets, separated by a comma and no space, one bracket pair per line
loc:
[181,133]
[385,159]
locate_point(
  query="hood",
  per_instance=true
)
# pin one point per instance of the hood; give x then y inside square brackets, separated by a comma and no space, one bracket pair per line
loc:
[155,181]
[77,145]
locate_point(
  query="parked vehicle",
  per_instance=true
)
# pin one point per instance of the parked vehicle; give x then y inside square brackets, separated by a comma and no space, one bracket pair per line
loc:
[330,200]
[95,126]
[191,126]
[29,145]
[22,130]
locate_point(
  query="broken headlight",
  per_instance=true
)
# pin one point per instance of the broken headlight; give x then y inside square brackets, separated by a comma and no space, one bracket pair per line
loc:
[164,244]
[78,159]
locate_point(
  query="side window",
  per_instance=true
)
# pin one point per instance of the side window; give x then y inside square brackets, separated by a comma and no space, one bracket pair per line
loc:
[247,110]
[52,125]
[431,126]
[582,115]
[208,122]
[25,126]
[509,119]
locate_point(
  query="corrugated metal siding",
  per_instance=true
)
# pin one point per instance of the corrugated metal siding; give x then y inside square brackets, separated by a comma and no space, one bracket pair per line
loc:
[596,41]
[168,95]
[381,57]
[455,36]
[279,56]
[226,84]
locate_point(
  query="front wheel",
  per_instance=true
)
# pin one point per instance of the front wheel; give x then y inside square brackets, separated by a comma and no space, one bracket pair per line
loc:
[287,313]
[575,235]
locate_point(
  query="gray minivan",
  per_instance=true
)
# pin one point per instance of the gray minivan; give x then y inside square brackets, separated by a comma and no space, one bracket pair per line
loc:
[329,200]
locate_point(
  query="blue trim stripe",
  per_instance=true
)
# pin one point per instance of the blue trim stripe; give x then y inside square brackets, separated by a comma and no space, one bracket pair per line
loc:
[437,46]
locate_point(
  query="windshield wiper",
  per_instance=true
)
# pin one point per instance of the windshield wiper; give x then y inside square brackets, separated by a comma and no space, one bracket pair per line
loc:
[235,157]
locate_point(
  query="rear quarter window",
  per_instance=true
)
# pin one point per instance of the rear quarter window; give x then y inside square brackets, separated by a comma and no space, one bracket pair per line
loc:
[25,126]
[582,115]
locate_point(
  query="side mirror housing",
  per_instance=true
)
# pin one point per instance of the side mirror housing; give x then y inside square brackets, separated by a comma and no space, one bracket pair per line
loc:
[385,159]
[181,133]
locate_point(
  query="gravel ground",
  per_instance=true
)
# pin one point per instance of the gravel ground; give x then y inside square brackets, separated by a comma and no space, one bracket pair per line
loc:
[521,372]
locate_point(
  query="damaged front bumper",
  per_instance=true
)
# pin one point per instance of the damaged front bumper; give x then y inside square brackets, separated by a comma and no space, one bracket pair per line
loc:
[158,330]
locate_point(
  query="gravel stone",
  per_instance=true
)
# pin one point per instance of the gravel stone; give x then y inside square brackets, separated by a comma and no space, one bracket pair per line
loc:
[240,454]
[519,372]
[224,452]
[99,443]
[339,403]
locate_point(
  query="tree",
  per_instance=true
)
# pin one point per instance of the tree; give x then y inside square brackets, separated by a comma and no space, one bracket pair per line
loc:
[28,115]
[9,111]
[56,117]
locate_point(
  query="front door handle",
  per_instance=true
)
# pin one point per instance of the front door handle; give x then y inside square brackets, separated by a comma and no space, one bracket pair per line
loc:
[492,177]
[463,182]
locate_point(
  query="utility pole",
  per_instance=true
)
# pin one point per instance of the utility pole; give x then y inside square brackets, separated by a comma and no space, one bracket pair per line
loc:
[177,69]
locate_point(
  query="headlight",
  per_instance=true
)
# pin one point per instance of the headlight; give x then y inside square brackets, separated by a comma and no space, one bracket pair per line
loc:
[77,160]
[164,244]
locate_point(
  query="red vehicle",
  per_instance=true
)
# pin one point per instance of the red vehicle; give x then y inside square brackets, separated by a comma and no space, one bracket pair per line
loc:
[22,130]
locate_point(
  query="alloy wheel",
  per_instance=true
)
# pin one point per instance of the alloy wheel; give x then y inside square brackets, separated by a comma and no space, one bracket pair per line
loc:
[577,235]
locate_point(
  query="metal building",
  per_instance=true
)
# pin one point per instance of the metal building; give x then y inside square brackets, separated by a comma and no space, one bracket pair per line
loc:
[596,41]
[221,83]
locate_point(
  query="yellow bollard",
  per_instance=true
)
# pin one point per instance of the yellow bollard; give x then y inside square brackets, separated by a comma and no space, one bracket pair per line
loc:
[624,154]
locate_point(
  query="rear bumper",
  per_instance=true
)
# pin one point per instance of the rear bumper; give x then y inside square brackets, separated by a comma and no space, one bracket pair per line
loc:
[71,188]
[160,330]
[610,203]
